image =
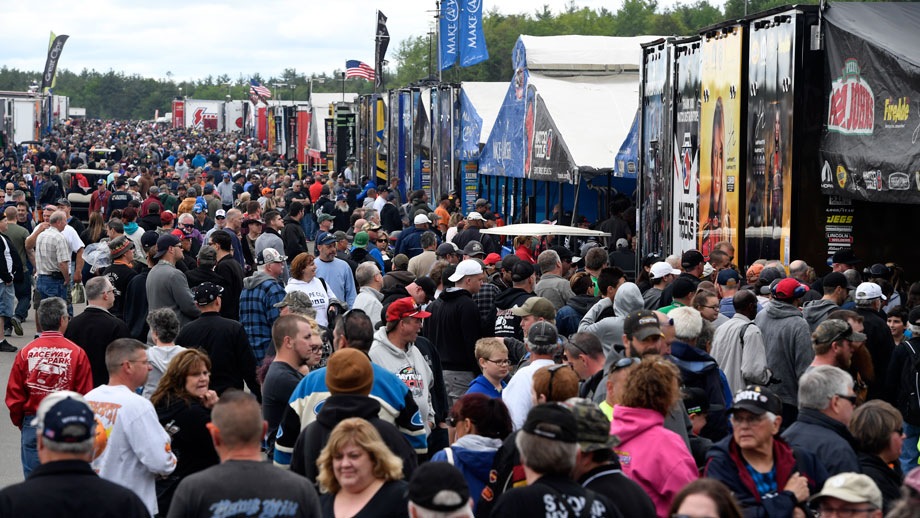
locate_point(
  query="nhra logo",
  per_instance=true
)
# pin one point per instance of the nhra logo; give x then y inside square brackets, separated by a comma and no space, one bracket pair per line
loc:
[852,103]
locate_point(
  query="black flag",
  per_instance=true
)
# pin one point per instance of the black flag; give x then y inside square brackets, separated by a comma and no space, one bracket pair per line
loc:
[382,41]
[54,53]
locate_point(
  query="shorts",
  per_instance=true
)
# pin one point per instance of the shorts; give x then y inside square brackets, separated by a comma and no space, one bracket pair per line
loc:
[7,300]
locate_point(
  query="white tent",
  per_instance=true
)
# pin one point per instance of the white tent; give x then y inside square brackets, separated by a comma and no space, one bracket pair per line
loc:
[321,102]
[582,54]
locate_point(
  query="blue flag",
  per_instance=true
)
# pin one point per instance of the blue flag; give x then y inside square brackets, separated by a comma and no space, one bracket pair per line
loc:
[449,33]
[473,40]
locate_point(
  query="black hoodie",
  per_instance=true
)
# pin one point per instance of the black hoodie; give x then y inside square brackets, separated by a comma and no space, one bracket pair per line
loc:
[454,327]
[506,324]
[332,411]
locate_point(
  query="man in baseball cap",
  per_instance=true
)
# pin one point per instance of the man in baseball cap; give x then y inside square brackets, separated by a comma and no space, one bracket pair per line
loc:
[869,301]
[67,435]
[439,489]
[548,444]
[848,494]
[661,274]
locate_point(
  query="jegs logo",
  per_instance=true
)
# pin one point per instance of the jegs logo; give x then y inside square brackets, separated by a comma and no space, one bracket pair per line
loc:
[851,109]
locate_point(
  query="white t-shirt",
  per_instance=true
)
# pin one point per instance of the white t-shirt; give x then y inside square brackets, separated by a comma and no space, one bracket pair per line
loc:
[138,448]
[319,296]
[517,395]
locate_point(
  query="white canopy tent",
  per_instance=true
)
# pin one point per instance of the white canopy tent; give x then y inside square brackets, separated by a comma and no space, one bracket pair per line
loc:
[542,229]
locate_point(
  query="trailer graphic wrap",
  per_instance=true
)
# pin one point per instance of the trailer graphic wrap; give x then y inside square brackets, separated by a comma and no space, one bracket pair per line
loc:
[685,148]
[655,177]
[720,131]
[768,193]
[871,147]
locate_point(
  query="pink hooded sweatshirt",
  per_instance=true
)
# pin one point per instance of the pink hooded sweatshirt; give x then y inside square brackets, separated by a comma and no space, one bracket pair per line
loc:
[654,457]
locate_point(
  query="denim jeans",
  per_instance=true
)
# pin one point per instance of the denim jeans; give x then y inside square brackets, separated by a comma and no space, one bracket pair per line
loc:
[909,452]
[23,297]
[29,453]
[50,287]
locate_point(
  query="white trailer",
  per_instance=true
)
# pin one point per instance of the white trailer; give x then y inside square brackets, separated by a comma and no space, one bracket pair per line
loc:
[201,113]
[26,119]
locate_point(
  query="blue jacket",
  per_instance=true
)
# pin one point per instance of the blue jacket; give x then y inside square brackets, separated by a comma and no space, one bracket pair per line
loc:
[726,464]
[481,385]
[396,406]
[828,439]
[699,369]
[409,242]
[473,456]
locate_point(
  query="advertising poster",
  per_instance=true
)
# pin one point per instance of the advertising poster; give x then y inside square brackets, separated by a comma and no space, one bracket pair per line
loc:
[720,137]
[871,149]
[380,120]
[178,111]
[548,156]
[446,154]
[405,139]
[434,139]
[838,225]
[330,144]
[768,195]
[685,149]
[654,175]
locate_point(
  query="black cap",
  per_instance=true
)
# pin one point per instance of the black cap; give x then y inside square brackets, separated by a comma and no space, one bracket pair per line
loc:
[552,421]
[521,271]
[757,400]
[439,487]
[681,287]
[564,253]
[913,318]
[697,402]
[641,324]
[164,243]
[880,270]
[691,259]
[207,292]
[836,280]
[428,286]
[845,256]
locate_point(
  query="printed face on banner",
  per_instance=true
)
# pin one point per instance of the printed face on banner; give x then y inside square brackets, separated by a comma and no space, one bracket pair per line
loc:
[720,145]
[768,198]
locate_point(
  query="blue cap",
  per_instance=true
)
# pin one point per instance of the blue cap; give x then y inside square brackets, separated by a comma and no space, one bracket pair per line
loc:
[65,417]
[729,277]
[324,238]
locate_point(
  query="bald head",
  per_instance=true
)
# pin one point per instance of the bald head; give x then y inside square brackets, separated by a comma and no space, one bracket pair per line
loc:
[798,270]
[745,302]
[238,416]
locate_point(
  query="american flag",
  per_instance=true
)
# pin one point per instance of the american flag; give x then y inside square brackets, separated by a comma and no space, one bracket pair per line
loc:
[256,89]
[355,68]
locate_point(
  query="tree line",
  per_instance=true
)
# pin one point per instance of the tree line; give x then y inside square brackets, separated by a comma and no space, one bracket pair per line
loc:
[120,96]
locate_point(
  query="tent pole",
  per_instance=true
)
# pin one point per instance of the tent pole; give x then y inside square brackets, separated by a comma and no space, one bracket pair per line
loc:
[546,210]
[577,192]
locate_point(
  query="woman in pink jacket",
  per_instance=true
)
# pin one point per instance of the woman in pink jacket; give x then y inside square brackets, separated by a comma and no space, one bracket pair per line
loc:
[656,458]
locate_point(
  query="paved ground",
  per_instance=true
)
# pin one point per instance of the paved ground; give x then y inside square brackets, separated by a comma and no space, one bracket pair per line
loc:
[10,465]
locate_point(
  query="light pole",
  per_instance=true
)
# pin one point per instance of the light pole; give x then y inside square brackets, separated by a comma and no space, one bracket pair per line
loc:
[278,87]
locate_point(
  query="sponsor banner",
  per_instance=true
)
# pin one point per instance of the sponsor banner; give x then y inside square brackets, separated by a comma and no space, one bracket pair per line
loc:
[871,149]
[768,196]
[838,224]
[346,137]
[178,111]
[472,39]
[685,149]
[720,137]
[655,177]
[470,185]
[547,155]
[330,144]
[380,120]
[55,47]
[446,142]
[303,134]
[405,140]
[449,33]
[470,129]
[503,154]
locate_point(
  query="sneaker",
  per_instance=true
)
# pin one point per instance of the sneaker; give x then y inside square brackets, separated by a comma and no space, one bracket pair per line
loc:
[8,347]
[17,326]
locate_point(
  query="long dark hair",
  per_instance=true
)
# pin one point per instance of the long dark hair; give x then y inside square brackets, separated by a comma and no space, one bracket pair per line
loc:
[172,384]
[726,505]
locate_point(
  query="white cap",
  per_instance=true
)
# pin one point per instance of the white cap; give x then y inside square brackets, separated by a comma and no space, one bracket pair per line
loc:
[221,213]
[869,291]
[475,216]
[466,267]
[420,219]
[661,268]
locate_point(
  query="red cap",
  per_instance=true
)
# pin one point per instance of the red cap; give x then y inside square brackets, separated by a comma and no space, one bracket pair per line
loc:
[405,308]
[492,259]
[789,289]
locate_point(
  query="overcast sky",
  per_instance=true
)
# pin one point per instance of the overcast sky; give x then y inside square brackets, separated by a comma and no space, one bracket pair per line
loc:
[192,39]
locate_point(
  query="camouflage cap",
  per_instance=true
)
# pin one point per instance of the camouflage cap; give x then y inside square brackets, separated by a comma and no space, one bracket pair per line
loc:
[593,425]
[298,301]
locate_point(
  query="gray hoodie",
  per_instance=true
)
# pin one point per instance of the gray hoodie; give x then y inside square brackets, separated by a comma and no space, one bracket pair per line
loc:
[410,366]
[787,340]
[159,358]
[816,311]
[610,329]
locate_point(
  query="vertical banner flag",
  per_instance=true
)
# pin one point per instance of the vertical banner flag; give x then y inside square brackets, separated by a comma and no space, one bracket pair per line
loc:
[473,48]
[382,42]
[449,31]
[55,47]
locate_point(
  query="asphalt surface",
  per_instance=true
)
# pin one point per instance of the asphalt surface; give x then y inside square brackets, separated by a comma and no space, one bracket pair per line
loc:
[10,464]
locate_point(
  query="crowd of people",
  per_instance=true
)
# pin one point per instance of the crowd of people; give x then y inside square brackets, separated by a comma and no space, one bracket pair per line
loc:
[260,340]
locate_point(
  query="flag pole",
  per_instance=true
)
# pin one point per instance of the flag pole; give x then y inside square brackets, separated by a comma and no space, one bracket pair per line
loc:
[437,32]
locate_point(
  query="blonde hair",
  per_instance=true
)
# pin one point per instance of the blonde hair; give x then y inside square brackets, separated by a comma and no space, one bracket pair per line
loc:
[486,347]
[357,431]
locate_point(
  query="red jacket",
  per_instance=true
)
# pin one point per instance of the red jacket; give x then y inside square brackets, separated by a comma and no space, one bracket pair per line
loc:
[99,203]
[48,364]
[145,207]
